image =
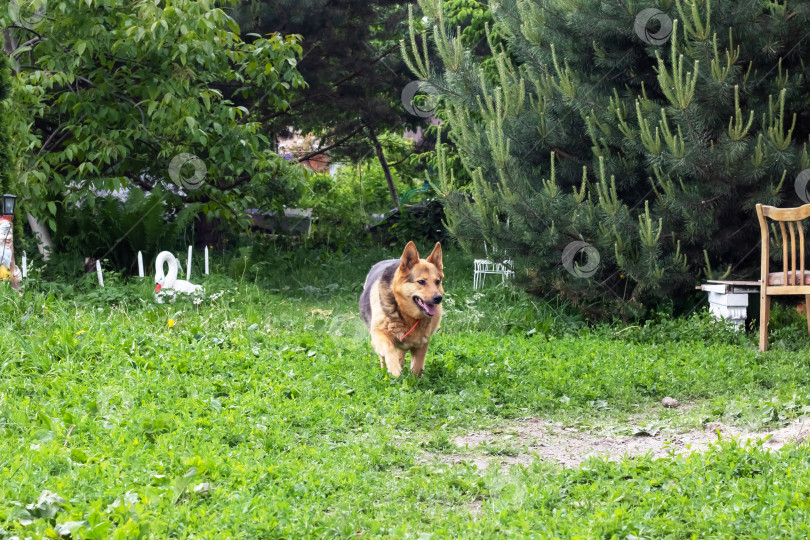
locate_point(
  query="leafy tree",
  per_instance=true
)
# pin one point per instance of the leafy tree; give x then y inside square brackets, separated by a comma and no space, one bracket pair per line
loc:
[472,17]
[353,70]
[6,158]
[5,137]
[640,143]
[108,92]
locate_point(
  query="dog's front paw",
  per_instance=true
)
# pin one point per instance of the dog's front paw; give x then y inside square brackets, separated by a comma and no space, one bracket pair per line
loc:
[395,371]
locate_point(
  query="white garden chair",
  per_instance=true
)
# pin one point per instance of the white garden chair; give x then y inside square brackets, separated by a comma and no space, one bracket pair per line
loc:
[482,267]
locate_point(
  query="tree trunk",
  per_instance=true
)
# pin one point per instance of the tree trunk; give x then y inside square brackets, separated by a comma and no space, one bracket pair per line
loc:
[9,45]
[44,242]
[386,170]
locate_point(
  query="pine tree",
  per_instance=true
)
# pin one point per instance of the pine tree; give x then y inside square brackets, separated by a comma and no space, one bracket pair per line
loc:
[620,151]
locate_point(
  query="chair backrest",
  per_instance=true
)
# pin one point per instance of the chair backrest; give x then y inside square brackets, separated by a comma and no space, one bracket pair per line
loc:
[793,263]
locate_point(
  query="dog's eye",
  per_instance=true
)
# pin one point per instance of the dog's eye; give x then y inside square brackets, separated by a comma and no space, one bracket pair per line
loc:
[421,282]
[438,281]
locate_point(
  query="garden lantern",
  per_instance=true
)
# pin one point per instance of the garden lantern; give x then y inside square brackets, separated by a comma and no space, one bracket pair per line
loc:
[8,270]
[8,205]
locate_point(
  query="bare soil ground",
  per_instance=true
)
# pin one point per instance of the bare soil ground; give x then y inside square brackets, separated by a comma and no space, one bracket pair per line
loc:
[534,438]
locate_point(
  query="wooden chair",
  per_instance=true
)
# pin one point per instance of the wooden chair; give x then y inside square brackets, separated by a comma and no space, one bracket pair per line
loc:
[793,279]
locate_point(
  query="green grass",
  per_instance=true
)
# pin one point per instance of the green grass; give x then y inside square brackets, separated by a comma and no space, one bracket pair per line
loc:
[264,414]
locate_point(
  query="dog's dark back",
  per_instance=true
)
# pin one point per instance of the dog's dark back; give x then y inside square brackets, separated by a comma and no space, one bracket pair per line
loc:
[384,271]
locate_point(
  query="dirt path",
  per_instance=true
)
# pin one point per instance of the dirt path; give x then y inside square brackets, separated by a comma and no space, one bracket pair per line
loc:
[532,438]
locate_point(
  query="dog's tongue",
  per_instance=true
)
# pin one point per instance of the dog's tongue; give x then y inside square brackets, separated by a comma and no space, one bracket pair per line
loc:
[431,310]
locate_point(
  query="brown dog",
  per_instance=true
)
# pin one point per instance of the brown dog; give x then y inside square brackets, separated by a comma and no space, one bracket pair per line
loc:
[401,307]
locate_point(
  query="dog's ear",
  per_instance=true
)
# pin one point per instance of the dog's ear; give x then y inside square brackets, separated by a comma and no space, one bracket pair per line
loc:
[435,257]
[410,258]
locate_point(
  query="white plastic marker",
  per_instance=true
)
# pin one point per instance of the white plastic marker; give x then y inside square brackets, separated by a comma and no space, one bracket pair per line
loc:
[25,265]
[98,271]
[140,264]
[206,260]
[188,266]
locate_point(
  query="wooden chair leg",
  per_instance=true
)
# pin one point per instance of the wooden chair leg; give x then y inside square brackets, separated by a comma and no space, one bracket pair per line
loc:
[764,318]
[807,310]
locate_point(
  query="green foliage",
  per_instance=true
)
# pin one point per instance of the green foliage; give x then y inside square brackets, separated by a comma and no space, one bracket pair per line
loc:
[108,92]
[345,205]
[472,16]
[265,414]
[115,229]
[7,176]
[653,154]
[6,163]
[421,222]
[478,31]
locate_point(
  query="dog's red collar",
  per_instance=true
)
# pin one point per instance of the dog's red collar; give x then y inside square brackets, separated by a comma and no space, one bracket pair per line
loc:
[411,330]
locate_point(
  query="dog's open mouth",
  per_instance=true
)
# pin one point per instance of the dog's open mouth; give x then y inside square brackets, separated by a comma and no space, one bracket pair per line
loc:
[427,309]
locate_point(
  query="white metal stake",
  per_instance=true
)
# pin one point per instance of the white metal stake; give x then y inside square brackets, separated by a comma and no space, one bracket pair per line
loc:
[188,266]
[98,271]
[206,260]
[140,264]
[25,265]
